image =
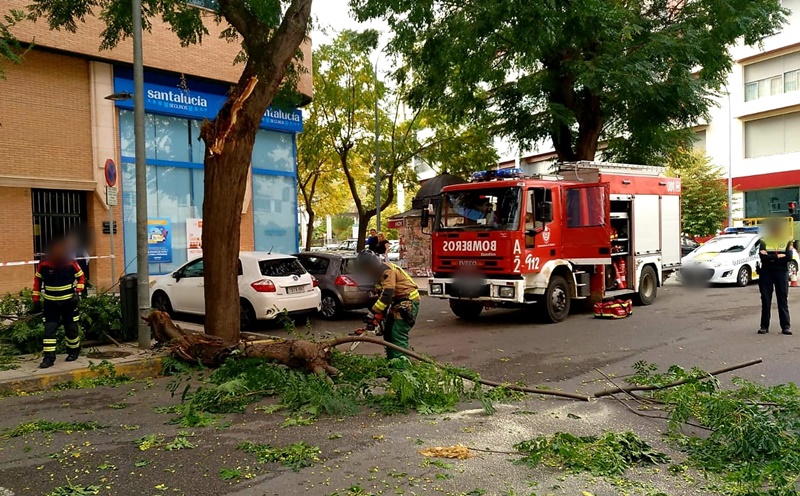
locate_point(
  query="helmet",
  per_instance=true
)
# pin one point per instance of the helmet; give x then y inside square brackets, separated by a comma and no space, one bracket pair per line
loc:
[368,260]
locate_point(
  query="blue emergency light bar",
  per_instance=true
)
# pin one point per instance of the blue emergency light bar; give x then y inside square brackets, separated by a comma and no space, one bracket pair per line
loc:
[741,230]
[489,175]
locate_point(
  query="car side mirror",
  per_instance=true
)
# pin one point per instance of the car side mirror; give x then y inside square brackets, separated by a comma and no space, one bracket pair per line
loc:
[176,276]
[544,213]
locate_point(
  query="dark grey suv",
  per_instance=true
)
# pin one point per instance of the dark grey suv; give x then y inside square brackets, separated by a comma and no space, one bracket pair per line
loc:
[342,289]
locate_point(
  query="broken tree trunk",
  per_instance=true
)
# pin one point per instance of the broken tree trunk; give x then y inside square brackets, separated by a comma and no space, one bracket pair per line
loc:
[212,351]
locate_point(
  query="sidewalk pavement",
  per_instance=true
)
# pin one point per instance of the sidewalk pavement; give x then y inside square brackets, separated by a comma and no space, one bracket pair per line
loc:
[127,359]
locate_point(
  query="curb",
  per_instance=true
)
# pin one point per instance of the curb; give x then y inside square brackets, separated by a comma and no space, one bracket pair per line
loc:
[139,369]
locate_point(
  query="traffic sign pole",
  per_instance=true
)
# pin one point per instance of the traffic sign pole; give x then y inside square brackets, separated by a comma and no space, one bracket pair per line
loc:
[111,181]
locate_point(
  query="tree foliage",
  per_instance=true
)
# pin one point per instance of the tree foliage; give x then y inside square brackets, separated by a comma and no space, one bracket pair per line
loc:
[345,93]
[270,33]
[321,187]
[704,196]
[11,50]
[635,73]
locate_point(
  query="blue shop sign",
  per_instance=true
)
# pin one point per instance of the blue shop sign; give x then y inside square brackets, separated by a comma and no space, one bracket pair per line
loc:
[164,94]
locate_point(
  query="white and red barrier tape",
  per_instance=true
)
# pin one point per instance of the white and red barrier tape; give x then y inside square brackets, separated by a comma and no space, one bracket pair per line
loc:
[34,262]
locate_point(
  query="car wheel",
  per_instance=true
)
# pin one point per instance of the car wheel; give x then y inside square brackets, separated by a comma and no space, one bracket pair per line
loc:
[330,308]
[648,287]
[557,300]
[161,302]
[743,276]
[466,310]
[793,269]
[247,316]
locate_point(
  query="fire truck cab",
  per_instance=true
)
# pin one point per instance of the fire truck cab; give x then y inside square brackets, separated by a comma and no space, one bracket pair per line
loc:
[591,231]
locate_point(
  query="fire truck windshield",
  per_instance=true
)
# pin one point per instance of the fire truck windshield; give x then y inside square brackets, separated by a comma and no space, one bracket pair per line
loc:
[490,208]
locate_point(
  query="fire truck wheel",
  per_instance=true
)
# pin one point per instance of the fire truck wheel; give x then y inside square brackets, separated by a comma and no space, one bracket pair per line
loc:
[465,309]
[557,300]
[648,286]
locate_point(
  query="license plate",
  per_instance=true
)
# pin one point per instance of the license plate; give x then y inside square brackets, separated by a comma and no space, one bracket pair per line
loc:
[295,289]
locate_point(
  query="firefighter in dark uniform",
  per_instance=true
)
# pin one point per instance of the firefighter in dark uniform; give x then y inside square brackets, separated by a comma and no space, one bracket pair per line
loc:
[398,302]
[59,281]
[775,253]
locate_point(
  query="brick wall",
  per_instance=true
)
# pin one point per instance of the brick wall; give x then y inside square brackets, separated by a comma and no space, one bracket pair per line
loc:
[212,59]
[16,238]
[100,244]
[46,122]
[415,247]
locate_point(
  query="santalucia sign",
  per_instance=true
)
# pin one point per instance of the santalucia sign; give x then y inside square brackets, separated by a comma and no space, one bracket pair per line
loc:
[169,94]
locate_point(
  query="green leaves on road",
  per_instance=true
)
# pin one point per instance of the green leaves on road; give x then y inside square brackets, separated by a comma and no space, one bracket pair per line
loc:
[294,456]
[608,455]
[48,427]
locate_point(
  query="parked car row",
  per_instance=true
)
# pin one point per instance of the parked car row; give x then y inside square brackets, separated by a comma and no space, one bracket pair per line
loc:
[727,259]
[271,285]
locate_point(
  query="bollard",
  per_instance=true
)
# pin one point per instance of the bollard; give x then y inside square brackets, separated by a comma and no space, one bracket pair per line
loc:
[129,305]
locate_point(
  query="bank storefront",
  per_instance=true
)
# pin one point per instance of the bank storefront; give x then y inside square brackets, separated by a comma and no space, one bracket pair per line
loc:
[175,107]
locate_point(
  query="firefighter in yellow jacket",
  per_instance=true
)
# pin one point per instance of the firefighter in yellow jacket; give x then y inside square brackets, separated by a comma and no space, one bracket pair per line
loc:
[398,302]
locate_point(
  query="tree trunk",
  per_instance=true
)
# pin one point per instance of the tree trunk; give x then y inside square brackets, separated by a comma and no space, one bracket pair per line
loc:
[229,148]
[229,140]
[363,221]
[310,228]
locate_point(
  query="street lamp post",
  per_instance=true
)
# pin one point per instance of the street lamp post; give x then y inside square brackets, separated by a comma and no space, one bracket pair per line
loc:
[377,152]
[730,160]
[142,265]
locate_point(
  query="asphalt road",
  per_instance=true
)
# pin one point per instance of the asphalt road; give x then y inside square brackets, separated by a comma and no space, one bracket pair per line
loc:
[372,454]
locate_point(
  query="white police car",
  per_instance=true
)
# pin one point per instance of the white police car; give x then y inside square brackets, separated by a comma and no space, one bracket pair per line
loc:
[725,259]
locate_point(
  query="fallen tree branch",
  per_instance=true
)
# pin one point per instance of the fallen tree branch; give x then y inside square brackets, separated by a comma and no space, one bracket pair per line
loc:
[651,387]
[421,358]
[609,379]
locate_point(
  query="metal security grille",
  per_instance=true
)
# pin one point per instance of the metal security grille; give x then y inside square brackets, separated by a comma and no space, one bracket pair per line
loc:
[56,213]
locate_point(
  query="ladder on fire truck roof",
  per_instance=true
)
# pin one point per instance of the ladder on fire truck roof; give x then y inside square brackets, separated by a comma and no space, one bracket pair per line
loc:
[611,168]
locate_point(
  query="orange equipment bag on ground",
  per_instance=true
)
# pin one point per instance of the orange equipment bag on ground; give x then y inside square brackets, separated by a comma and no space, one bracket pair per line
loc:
[617,309]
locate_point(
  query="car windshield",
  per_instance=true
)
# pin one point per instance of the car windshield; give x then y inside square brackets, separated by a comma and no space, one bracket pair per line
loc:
[281,267]
[494,208]
[732,244]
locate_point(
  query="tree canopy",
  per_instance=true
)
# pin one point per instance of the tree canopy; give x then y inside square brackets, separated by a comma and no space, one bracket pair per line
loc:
[345,92]
[635,74]
[704,196]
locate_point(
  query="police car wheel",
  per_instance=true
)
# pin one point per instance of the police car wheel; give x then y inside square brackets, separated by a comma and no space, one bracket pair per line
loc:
[557,299]
[743,276]
[648,286]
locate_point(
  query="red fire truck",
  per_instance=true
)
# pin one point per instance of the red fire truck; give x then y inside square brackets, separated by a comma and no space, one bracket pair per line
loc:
[591,231]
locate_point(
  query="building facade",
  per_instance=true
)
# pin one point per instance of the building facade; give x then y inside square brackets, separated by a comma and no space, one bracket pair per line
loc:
[58,130]
[754,133]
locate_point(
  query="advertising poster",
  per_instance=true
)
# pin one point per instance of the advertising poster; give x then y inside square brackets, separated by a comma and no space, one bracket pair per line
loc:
[194,238]
[159,242]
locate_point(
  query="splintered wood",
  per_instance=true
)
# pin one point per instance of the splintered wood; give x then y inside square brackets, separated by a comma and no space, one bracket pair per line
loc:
[458,452]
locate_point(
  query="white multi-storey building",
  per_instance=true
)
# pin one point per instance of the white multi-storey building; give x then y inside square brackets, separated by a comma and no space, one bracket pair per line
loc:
[754,132]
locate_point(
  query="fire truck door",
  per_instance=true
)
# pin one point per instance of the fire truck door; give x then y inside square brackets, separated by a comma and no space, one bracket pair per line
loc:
[586,238]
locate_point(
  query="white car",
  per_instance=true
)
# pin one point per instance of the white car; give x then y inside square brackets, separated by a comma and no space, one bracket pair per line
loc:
[269,284]
[725,259]
[393,253]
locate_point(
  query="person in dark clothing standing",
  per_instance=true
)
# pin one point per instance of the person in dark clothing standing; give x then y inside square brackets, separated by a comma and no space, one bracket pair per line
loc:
[372,240]
[58,281]
[775,253]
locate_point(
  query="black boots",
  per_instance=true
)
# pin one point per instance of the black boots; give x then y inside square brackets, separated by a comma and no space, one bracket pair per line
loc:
[48,361]
[72,355]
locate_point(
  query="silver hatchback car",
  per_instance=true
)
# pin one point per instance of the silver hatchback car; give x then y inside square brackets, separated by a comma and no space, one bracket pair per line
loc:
[342,288]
